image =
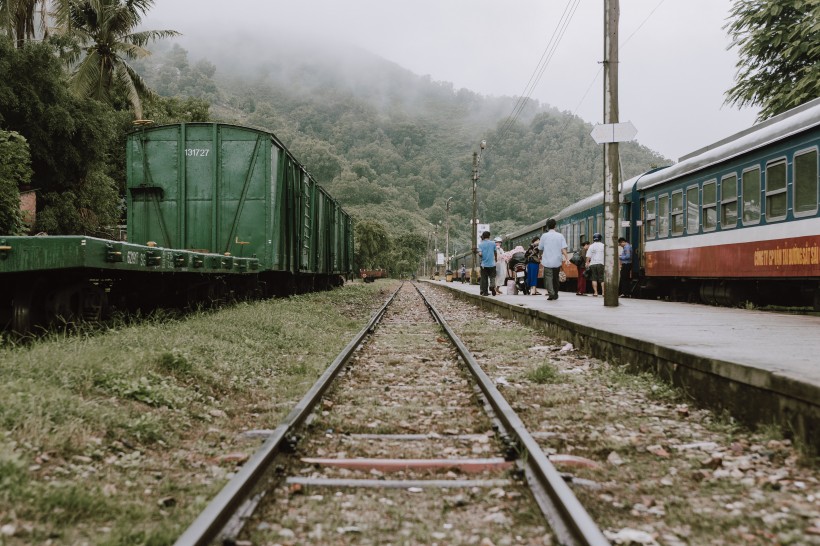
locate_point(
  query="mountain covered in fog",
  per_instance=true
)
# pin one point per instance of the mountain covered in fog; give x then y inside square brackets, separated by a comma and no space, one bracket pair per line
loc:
[392,145]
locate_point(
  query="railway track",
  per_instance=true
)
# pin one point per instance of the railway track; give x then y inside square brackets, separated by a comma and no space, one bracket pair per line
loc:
[403,440]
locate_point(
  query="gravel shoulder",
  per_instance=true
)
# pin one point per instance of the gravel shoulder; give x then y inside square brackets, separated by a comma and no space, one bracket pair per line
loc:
[655,468]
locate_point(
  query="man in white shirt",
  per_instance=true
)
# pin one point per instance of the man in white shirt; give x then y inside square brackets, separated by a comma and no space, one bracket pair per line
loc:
[553,249]
[595,263]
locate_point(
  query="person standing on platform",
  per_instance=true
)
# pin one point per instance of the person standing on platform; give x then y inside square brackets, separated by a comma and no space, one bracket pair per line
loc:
[625,257]
[500,266]
[486,248]
[533,256]
[553,249]
[582,267]
[463,273]
[595,263]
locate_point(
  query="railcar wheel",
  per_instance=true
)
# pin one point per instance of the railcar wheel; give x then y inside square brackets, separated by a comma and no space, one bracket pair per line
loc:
[677,293]
[79,301]
[21,322]
[27,308]
[708,293]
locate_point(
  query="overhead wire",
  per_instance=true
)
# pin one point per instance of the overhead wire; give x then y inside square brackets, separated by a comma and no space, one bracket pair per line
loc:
[549,51]
[547,55]
[600,68]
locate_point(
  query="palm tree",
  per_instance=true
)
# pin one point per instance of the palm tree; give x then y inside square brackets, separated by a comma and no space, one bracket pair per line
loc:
[17,19]
[105,30]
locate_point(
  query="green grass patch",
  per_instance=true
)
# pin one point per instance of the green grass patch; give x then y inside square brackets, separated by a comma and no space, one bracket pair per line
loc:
[544,374]
[102,424]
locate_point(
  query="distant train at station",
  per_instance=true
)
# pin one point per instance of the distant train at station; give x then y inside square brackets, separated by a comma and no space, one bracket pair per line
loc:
[734,222]
[370,275]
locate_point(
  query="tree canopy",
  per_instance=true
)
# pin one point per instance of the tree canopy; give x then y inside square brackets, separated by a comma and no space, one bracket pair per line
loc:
[71,140]
[19,19]
[15,171]
[76,144]
[106,31]
[778,44]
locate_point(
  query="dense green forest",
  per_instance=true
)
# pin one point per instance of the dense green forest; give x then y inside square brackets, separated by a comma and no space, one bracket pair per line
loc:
[393,146]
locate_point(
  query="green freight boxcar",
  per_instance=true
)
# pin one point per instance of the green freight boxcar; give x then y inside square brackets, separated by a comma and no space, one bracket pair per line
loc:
[215,212]
[216,187]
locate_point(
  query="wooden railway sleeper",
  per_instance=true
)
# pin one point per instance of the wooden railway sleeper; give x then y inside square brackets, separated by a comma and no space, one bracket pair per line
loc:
[569,521]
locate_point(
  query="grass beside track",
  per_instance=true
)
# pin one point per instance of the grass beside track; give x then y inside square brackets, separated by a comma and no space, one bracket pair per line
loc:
[121,436]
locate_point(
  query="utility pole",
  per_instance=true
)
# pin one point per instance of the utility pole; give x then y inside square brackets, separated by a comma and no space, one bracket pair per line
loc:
[447,264]
[435,250]
[612,195]
[473,222]
[427,253]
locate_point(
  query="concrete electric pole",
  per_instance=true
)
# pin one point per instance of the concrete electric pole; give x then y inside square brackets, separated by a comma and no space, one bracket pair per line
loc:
[474,221]
[447,263]
[612,196]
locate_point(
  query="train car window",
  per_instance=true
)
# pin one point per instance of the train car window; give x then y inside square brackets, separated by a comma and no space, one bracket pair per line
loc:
[663,216]
[692,210]
[750,186]
[624,218]
[650,219]
[805,182]
[728,202]
[642,228]
[776,201]
[710,205]
[599,222]
[677,213]
[590,228]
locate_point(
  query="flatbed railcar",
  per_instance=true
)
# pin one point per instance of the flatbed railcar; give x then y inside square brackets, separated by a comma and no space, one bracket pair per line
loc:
[215,212]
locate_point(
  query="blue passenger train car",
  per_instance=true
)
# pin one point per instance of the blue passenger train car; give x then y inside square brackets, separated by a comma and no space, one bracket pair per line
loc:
[735,222]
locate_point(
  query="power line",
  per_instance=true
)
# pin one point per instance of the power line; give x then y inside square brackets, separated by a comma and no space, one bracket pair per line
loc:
[595,78]
[549,51]
[546,57]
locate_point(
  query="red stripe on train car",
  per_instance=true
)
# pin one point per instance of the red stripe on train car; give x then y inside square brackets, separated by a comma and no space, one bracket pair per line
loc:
[795,257]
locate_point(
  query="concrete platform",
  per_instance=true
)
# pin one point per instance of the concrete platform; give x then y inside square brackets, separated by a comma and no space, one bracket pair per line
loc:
[762,367]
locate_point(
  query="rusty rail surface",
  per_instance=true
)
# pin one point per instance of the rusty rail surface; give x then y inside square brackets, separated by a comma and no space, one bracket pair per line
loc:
[567,517]
[237,499]
[209,524]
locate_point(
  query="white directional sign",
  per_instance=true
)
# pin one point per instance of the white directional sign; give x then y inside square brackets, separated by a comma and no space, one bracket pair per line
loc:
[613,132]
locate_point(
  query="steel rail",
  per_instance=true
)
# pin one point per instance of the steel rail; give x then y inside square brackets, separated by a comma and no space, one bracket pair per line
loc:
[210,522]
[570,521]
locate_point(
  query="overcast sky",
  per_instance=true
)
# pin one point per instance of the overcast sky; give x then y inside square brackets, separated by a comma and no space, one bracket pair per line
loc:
[674,63]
